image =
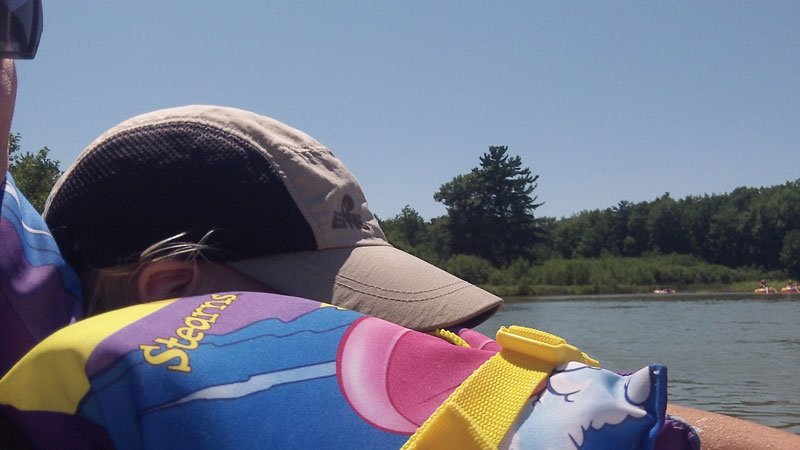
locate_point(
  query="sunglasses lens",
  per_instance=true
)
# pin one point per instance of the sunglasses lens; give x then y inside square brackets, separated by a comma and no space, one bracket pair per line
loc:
[20,28]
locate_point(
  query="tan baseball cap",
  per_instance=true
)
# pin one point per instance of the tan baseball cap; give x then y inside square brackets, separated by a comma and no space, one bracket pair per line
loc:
[283,208]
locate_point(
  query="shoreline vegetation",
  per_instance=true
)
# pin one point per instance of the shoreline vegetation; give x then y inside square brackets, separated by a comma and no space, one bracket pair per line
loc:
[701,243]
[611,275]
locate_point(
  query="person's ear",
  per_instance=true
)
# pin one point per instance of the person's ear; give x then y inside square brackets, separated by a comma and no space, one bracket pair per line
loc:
[165,279]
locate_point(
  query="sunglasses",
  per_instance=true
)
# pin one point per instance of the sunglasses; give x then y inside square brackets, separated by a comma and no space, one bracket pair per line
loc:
[20,28]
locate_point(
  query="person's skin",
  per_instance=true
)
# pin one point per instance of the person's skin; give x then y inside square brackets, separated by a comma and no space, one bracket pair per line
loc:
[8,96]
[720,432]
[175,278]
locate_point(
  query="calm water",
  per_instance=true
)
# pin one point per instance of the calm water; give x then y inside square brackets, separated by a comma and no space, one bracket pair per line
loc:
[732,354]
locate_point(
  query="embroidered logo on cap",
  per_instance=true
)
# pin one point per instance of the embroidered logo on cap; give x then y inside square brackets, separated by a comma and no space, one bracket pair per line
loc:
[345,217]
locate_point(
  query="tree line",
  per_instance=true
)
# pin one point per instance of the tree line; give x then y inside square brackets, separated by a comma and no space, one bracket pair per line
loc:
[748,227]
[490,216]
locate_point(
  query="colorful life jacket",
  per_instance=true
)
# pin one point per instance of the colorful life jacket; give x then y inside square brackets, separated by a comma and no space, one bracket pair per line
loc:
[39,293]
[252,370]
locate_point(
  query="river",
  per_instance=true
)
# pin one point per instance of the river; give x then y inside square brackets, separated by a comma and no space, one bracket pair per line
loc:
[735,354]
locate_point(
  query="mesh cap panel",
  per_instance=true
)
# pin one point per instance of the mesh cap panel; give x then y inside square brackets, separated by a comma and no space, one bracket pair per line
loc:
[181,177]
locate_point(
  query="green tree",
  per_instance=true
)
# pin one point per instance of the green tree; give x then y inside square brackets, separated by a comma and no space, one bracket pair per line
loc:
[436,243]
[566,235]
[34,173]
[790,254]
[410,225]
[409,232]
[697,213]
[405,230]
[465,214]
[620,216]
[490,209]
[595,235]
[664,224]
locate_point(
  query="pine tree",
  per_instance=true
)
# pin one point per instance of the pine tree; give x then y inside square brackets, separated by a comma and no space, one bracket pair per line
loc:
[490,209]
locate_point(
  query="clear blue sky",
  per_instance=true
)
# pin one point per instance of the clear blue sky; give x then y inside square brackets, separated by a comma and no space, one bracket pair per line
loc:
[606,101]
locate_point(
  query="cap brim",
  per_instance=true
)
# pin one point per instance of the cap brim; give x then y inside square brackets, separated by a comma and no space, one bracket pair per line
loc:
[377,280]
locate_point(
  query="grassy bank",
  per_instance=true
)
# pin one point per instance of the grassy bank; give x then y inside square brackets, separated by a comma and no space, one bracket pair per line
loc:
[588,289]
[611,275]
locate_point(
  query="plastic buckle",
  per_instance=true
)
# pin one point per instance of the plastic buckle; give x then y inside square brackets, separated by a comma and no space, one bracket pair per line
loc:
[535,343]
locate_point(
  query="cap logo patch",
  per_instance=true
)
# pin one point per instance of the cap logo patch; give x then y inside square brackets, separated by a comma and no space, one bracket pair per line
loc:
[345,217]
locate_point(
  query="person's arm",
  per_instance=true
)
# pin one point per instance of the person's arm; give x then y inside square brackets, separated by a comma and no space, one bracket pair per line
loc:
[718,431]
[8,95]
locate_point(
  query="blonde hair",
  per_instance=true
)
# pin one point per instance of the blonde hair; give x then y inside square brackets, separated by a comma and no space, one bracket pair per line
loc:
[106,289]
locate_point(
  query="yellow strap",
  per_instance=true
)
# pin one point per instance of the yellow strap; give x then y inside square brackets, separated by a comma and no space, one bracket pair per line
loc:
[449,336]
[479,413]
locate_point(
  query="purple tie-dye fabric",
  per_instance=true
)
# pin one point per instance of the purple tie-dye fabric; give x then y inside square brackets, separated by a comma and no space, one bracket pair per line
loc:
[39,293]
